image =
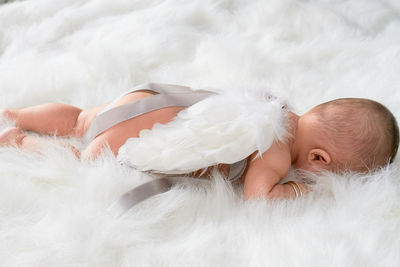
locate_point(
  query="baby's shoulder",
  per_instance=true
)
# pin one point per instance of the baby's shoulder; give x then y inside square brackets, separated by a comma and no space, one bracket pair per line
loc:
[276,158]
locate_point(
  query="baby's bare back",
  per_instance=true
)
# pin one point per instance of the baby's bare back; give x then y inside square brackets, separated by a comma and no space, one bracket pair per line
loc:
[117,135]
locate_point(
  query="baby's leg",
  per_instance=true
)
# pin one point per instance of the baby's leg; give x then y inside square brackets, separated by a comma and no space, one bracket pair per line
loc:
[13,136]
[51,118]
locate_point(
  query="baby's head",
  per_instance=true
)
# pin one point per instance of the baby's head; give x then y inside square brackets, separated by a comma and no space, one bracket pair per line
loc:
[346,134]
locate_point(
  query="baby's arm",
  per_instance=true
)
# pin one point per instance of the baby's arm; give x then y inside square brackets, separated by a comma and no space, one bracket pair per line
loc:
[264,173]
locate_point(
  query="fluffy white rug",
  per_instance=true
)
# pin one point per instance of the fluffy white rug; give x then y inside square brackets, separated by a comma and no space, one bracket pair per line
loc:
[53,207]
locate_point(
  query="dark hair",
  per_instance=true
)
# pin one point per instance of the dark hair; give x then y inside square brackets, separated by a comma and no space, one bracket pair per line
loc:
[363,128]
[395,135]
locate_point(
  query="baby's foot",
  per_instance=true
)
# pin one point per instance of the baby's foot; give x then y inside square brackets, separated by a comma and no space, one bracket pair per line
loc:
[10,136]
[7,113]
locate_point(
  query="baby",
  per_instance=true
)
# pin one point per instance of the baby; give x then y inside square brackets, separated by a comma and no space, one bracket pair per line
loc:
[348,134]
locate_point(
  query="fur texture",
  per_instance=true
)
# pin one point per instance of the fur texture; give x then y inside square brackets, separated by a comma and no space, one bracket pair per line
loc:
[53,208]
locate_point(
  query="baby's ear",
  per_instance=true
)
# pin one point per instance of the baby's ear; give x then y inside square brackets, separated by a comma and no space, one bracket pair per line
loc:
[319,157]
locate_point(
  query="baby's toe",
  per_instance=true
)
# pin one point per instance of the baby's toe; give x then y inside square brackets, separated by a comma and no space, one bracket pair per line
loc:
[9,135]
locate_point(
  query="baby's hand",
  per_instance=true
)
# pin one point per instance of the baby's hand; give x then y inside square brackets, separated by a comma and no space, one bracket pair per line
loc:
[264,174]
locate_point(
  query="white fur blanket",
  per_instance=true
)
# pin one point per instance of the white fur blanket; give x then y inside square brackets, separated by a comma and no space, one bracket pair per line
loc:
[53,207]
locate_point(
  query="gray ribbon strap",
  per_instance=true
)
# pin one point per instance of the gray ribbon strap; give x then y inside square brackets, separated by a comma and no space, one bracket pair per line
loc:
[178,96]
[145,191]
[237,169]
[162,185]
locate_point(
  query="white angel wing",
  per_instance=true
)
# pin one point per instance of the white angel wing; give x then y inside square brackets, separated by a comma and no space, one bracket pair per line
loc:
[223,128]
